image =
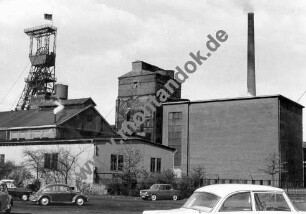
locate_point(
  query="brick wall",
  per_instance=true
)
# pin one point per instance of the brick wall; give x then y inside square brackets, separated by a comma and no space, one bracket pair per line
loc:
[232,138]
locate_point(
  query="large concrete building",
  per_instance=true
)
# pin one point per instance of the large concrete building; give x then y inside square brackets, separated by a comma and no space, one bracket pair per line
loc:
[232,138]
[135,90]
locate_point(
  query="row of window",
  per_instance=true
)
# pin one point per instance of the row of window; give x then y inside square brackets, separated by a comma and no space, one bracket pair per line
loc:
[263,202]
[117,163]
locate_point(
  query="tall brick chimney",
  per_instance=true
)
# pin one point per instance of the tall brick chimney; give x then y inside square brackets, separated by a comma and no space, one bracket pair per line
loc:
[251,56]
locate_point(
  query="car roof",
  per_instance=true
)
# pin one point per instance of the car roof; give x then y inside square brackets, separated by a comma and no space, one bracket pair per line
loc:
[49,185]
[225,189]
[7,180]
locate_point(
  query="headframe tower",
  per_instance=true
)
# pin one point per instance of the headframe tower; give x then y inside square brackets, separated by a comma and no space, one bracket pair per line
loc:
[41,79]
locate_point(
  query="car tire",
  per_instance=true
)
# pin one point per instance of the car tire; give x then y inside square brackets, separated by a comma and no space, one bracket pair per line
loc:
[79,201]
[8,211]
[153,198]
[174,197]
[44,201]
[24,197]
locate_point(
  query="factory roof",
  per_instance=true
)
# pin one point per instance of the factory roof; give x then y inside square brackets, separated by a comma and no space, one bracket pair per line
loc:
[233,99]
[70,102]
[36,118]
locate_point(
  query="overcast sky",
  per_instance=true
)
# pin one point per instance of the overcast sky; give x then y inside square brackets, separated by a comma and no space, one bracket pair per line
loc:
[98,40]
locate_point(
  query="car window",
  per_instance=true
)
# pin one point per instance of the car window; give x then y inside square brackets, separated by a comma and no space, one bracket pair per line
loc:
[237,202]
[162,187]
[271,202]
[154,187]
[202,201]
[63,189]
[3,188]
[10,185]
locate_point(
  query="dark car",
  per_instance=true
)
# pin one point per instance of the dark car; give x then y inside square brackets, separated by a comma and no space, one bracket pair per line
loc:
[160,191]
[21,193]
[58,193]
[6,201]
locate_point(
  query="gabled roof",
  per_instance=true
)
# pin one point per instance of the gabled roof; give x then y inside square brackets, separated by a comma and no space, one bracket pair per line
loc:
[36,117]
[69,102]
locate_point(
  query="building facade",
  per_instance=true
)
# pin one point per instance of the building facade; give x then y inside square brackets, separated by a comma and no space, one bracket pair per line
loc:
[135,90]
[77,130]
[234,138]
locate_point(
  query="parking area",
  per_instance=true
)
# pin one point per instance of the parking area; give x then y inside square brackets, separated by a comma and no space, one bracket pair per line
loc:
[101,205]
[109,205]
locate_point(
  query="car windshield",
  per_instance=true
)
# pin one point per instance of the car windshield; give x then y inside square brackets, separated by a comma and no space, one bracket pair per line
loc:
[154,187]
[202,201]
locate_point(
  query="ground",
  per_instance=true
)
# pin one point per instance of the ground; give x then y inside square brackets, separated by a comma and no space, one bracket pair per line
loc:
[101,205]
[108,205]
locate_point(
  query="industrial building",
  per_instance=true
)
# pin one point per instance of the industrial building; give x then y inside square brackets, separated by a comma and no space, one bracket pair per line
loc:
[231,138]
[134,91]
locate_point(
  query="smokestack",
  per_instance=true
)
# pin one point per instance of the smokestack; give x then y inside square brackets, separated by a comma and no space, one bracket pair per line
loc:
[251,56]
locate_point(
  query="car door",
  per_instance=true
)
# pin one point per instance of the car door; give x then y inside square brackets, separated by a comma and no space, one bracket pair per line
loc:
[64,194]
[272,203]
[237,203]
[4,197]
[161,192]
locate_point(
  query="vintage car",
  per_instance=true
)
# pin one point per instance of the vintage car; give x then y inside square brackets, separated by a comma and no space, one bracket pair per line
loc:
[160,191]
[6,201]
[21,193]
[235,198]
[58,193]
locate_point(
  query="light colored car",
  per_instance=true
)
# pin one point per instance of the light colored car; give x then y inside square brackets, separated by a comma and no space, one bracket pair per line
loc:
[6,201]
[235,198]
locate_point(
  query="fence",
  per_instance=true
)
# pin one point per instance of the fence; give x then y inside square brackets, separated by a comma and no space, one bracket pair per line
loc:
[276,183]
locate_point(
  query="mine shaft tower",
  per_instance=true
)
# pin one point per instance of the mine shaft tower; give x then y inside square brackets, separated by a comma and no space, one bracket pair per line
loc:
[40,81]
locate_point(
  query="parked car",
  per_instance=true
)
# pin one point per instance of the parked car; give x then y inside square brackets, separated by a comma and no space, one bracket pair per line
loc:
[6,201]
[235,198]
[21,193]
[160,191]
[58,193]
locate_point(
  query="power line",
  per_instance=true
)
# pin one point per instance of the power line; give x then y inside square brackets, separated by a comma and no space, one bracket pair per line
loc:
[9,91]
[302,96]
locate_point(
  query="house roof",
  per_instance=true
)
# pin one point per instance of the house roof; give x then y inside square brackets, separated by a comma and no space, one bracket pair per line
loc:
[36,117]
[69,102]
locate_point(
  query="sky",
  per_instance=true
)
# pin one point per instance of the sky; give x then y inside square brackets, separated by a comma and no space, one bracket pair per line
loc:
[97,41]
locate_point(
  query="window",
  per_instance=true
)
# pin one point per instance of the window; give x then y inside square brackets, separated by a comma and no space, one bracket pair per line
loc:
[120,162]
[175,130]
[158,164]
[271,202]
[155,165]
[116,162]
[113,165]
[175,115]
[2,158]
[152,165]
[237,202]
[51,160]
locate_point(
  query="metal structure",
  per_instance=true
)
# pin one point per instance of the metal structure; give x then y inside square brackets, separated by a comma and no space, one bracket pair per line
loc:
[41,79]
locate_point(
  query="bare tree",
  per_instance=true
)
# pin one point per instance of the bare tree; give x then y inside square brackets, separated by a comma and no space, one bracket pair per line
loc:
[59,170]
[272,165]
